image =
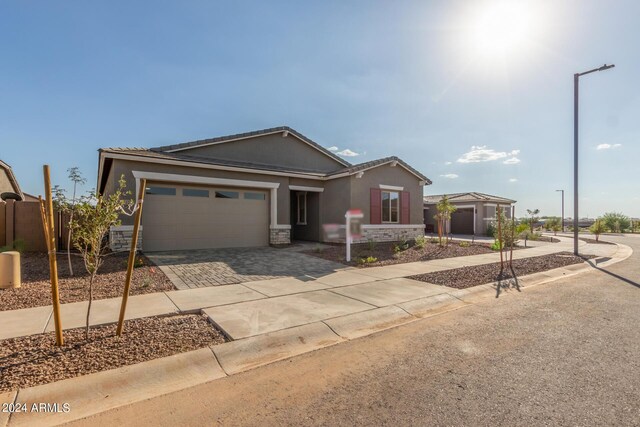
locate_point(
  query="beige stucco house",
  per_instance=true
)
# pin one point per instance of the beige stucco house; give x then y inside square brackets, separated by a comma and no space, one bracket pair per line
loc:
[8,181]
[474,212]
[258,188]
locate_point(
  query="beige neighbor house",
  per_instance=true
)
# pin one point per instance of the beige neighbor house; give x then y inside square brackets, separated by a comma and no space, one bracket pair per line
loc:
[475,211]
[259,188]
[8,181]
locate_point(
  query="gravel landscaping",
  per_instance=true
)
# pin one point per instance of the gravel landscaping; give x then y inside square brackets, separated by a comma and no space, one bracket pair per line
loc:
[36,288]
[467,277]
[384,253]
[34,360]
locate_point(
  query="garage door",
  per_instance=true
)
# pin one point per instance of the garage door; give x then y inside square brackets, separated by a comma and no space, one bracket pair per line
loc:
[462,221]
[191,217]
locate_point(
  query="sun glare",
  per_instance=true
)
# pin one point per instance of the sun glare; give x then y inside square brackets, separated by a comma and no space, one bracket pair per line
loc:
[502,28]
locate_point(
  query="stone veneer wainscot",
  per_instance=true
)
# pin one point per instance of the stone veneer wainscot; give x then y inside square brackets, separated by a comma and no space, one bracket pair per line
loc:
[279,235]
[120,238]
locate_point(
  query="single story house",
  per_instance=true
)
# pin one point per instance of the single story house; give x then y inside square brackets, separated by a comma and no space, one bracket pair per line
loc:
[475,211]
[8,181]
[270,186]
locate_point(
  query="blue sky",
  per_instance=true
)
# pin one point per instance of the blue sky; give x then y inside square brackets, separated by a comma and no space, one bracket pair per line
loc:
[421,80]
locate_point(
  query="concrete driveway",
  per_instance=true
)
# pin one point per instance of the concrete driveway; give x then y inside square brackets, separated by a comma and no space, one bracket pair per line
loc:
[215,267]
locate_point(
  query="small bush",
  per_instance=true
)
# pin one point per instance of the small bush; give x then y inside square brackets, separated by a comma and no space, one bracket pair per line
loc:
[496,246]
[18,245]
[465,244]
[367,260]
[421,241]
[403,245]
[371,244]
[433,240]
[521,228]
[491,229]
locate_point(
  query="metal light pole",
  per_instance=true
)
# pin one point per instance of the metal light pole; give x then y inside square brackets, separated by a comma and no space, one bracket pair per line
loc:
[562,209]
[576,80]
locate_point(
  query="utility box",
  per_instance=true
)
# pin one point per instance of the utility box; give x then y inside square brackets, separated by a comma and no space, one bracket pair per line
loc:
[9,269]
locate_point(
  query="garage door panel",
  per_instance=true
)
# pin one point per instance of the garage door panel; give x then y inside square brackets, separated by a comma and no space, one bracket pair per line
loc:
[189,222]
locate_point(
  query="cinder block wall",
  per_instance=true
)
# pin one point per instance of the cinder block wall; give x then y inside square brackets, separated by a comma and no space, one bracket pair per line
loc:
[28,226]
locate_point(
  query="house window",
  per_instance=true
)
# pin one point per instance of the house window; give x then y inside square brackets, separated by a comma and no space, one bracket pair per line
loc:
[227,195]
[161,191]
[254,196]
[195,192]
[302,209]
[390,206]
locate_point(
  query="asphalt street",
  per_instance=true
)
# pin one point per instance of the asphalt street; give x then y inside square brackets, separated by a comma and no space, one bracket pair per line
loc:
[563,353]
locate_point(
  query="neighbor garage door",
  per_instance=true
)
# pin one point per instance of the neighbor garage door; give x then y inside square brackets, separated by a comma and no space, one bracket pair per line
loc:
[191,217]
[462,221]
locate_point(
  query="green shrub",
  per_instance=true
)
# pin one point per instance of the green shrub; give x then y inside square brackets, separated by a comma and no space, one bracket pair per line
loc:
[491,229]
[420,242]
[522,227]
[18,245]
[597,228]
[465,244]
[433,240]
[616,222]
[367,260]
[496,246]
[403,245]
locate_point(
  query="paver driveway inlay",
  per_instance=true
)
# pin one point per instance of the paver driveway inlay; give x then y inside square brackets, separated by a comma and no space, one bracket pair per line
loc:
[215,267]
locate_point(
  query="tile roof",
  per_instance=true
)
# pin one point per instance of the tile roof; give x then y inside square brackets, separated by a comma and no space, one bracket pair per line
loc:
[146,153]
[373,163]
[467,197]
[219,139]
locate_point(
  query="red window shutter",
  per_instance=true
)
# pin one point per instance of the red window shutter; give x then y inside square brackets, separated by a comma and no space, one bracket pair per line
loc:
[405,207]
[375,212]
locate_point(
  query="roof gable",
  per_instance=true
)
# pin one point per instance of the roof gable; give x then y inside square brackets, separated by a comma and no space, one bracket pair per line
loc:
[468,197]
[258,144]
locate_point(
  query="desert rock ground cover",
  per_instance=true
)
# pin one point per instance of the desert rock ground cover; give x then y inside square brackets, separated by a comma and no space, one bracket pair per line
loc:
[36,288]
[467,277]
[384,252]
[34,360]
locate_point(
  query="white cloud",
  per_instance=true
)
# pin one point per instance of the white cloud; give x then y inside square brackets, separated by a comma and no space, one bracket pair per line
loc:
[449,176]
[513,180]
[607,146]
[480,153]
[334,148]
[447,163]
[347,153]
[512,161]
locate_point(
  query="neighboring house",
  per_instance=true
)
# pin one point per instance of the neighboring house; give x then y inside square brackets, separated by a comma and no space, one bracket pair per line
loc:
[475,211]
[258,188]
[8,181]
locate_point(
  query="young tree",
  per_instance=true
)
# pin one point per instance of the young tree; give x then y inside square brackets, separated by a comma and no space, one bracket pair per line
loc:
[95,215]
[76,177]
[597,228]
[616,222]
[533,219]
[554,224]
[445,209]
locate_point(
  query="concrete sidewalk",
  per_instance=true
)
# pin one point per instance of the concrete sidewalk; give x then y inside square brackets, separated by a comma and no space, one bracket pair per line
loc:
[253,308]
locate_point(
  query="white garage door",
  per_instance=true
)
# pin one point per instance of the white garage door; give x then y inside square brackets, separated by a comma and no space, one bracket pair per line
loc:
[192,217]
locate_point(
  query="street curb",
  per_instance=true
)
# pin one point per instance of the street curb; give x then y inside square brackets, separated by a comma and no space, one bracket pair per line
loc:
[103,391]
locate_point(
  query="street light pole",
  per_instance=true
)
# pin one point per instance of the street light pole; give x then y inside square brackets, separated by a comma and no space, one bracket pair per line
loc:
[576,81]
[562,209]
